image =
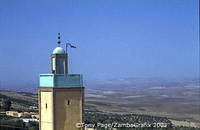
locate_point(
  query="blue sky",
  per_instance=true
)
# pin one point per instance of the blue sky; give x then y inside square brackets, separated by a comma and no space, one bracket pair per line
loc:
[115,38]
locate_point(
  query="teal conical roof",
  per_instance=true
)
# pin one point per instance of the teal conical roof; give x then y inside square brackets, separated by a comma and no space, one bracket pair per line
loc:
[58,50]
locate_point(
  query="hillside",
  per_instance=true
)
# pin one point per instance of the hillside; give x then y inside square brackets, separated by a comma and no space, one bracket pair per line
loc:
[178,101]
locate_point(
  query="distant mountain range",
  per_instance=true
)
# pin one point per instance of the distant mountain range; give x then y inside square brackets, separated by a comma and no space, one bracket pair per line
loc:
[127,84]
[122,84]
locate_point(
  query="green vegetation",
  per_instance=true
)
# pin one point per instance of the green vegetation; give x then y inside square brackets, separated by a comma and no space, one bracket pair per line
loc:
[12,123]
[123,118]
[20,101]
[33,125]
[6,105]
[94,118]
[94,106]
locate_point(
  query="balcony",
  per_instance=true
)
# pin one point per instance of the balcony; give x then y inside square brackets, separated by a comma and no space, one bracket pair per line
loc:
[61,80]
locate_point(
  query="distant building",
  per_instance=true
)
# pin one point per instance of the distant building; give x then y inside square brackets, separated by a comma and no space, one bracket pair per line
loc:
[61,95]
[90,129]
[14,113]
[35,116]
[22,114]
[26,120]
[33,107]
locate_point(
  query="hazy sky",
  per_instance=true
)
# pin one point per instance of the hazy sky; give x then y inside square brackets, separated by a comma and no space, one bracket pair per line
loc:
[115,38]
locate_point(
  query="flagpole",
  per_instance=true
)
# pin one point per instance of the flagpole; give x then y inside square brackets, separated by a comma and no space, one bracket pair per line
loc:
[67,58]
[66,47]
[71,46]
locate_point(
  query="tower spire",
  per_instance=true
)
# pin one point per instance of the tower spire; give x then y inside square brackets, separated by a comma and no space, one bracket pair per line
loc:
[59,42]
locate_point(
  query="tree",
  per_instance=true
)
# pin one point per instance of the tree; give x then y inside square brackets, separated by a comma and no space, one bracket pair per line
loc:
[32,125]
[6,105]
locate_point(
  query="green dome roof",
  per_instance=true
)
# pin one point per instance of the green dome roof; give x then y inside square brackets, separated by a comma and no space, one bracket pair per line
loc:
[58,50]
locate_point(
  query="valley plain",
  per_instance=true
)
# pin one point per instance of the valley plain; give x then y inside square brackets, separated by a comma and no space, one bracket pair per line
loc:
[178,100]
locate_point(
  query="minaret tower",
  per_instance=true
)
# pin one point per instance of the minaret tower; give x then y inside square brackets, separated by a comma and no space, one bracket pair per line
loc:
[59,59]
[61,95]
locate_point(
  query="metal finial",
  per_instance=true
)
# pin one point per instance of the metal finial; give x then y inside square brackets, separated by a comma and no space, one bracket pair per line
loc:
[59,39]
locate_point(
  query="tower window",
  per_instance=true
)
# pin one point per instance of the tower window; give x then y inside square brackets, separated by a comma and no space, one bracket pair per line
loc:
[46,105]
[68,102]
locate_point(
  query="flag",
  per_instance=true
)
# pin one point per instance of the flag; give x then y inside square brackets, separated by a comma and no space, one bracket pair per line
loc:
[72,46]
